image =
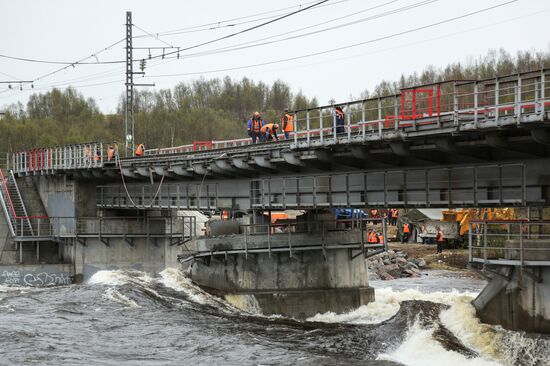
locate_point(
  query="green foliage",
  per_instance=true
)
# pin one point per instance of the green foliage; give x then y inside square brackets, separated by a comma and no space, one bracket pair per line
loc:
[206,109]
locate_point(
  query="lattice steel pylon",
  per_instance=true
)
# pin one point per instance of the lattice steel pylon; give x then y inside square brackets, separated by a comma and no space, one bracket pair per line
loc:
[129,117]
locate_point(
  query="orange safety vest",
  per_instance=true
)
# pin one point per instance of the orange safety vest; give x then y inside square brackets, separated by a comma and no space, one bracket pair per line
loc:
[267,126]
[381,238]
[372,238]
[98,155]
[289,127]
[140,150]
[394,212]
[111,153]
[406,228]
[439,237]
[256,125]
[340,113]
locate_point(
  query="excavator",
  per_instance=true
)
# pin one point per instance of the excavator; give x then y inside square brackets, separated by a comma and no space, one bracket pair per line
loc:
[464,216]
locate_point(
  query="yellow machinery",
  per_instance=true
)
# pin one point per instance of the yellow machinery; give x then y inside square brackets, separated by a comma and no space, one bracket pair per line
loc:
[463,216]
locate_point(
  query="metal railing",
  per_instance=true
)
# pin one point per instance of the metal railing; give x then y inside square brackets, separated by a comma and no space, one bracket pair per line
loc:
[289,238]
[509,242]
[495,102]
[180,227]
[13,206]
[50,159]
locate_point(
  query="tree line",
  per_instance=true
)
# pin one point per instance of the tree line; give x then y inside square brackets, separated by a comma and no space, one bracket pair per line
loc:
[207,109]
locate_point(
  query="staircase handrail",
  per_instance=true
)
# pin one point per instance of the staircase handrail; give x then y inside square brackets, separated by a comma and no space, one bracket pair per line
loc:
[4,205]
[26,216]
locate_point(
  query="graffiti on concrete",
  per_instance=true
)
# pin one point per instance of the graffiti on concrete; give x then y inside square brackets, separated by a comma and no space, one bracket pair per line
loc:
[10,277]
[16,277]
[46,279]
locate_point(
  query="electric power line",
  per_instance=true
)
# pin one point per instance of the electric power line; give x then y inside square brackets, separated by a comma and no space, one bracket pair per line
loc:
[343,47]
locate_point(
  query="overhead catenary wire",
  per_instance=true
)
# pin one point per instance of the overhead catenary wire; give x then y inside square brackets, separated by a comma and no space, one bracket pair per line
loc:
[316,53]
[252,18]
[242,31]
[342,47]
[251,44]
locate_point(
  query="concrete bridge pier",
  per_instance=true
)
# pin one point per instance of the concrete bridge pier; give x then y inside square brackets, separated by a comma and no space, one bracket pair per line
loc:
[298,270]
[518,294]
[517,299]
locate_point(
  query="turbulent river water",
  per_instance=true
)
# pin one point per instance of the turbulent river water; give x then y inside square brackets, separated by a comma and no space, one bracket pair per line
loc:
[130,318]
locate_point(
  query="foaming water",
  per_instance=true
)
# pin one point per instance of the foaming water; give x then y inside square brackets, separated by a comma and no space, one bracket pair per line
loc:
[131,318]
[116,296]
[387,304]
[420,348]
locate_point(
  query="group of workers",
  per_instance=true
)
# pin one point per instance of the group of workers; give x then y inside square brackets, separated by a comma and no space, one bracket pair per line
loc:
[391,216]
[260,131]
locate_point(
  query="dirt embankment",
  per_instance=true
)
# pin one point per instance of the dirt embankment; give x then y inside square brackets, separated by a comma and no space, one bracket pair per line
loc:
[450,259]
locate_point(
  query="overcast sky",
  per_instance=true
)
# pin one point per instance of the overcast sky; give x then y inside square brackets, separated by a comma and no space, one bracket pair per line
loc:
[69,30]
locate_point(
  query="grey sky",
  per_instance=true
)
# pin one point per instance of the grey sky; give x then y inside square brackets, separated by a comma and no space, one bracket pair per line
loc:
[68,30]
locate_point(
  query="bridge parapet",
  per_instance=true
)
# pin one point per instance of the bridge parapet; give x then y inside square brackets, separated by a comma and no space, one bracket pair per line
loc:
[442,110]
[509,242]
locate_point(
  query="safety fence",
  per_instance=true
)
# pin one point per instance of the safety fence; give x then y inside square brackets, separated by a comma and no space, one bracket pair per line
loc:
[292,237]
[509,242]
[47,228]
[50,159]
[495,102]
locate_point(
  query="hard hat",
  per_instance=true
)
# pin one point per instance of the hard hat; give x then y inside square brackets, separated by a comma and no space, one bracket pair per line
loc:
[286,109]
[275,125]
[256,113]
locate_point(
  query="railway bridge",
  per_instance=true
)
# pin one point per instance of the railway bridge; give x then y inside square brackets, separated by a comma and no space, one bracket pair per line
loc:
[460,143]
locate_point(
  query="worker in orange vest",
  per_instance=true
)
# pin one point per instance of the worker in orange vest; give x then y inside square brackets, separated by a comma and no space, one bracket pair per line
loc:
[111,153]
[254,126]
[372,238]
[286,121]
[87,154]
[394,215]
[406,232]
[269,131]
[440,240]
[380,238]
[140,150]
[97,154]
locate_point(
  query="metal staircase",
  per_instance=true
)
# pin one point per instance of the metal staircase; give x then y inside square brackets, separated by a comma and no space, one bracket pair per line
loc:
[13,206]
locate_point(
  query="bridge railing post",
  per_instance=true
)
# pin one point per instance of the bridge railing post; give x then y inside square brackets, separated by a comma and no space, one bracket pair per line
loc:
[470,242]
[542,95]
[321,132]
[521,243]
[455,104]
[476,93]
[348,109]
[308,128]
[517,99]
[296,130]
[485,241]
[334,125]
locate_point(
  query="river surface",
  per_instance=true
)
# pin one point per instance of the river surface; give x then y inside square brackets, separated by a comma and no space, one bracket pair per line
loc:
[130,318]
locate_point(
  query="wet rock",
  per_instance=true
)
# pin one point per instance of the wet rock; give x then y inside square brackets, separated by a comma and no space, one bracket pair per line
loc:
[401,261]
[411,273]
[401,254]
[385,276]
[392,269]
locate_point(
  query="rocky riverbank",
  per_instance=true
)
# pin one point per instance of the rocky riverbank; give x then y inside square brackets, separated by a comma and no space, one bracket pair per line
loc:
[395,264]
